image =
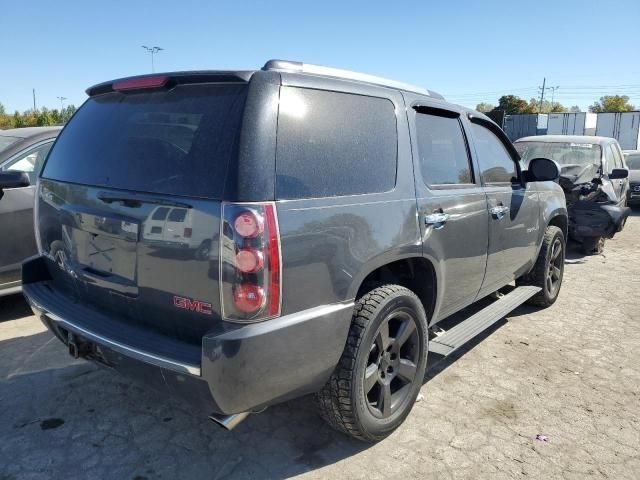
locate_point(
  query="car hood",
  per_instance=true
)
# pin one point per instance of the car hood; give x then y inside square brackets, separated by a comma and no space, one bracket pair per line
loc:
[578,174]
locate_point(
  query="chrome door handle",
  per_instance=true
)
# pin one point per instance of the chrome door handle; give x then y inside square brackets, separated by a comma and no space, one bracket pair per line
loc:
[437,220]
[499,211]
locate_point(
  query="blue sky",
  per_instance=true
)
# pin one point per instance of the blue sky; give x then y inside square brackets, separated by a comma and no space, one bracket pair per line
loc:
[470,51]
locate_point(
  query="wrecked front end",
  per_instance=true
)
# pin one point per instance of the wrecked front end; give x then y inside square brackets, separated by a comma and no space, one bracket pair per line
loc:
[593,206]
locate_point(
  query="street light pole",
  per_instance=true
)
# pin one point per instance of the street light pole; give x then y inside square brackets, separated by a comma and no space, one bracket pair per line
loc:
[152,50]
[62,99]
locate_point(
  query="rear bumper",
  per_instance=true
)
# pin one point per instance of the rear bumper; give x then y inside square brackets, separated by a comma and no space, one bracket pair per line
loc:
[243,369]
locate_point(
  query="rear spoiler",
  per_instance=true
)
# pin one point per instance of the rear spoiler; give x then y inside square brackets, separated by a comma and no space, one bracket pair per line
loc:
[168,80]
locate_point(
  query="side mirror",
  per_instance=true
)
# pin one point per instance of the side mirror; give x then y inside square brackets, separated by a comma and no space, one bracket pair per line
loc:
[618,174]
[13,179]
[542,170]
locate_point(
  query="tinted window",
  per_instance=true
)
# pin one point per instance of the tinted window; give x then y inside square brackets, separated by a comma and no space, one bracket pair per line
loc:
[176,141]
[160,213]
[496,164]
[333,144]
[442,150]
[177,215]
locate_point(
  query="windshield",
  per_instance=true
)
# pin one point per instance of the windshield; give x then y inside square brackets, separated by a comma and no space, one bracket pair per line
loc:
[633,160]
[6,142]
[177,142]
[562,153]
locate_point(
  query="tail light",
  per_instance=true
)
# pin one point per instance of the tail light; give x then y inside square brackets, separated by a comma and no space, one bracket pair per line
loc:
[250,264]
[187,232]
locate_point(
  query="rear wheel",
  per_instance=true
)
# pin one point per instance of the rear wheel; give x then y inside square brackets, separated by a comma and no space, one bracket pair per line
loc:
[593,245]
[548,270]
[377,380]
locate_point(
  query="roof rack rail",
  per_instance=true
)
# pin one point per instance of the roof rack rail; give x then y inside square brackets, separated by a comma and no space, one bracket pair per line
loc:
[292,66]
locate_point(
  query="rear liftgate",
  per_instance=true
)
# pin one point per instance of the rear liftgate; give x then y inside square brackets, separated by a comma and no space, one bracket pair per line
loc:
[449,341]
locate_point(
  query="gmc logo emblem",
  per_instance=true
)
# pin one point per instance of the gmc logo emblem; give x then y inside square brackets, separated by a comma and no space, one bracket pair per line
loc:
[193,305]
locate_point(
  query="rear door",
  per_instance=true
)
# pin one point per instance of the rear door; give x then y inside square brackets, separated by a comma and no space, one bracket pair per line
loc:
[452,206]
[514,213]
[17,241]
[122,174]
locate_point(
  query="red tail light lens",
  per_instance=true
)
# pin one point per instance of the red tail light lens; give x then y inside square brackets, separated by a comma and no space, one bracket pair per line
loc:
[248,298]
[250,264]
[248,224]
[187,232]
[249,260]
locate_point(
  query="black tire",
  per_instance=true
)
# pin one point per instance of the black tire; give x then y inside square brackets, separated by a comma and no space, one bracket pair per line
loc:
[202,252]
[373,414]
[593,245]
[548,271]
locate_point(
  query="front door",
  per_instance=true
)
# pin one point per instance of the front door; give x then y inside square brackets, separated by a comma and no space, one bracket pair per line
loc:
[17,240]
[514,228]
[452,206]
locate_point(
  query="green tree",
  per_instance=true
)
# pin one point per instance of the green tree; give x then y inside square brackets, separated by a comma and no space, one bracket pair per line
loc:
[18,121]
[512,104]
[547,107]
[2,111]
[484,107]
[612,103]
[575,109]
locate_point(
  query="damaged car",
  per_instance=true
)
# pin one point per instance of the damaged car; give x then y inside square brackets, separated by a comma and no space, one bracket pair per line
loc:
[594,177]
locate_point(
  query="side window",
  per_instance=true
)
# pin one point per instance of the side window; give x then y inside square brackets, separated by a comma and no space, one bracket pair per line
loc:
[177,215]
[610,159]
[30,161]
[442,150]
[617,156]
[332,144]
[496,163]
[160,213]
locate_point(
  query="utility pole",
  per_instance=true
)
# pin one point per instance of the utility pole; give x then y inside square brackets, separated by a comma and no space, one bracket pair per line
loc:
[544,82]
[553,94]
[34,101]
[152,50]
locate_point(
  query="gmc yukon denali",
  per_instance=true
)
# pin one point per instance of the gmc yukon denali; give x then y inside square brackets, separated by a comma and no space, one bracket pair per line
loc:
[241,238]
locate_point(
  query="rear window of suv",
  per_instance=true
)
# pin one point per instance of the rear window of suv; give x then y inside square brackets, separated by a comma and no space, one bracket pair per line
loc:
[332,144]
[176,142]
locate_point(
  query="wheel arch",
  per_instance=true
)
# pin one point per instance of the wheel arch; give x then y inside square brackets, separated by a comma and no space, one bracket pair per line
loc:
[416,273]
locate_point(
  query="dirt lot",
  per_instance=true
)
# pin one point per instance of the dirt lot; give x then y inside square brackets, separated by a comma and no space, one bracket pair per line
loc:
[571,373]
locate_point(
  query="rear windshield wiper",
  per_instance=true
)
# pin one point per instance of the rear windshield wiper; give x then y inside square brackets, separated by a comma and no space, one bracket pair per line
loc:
[135,201]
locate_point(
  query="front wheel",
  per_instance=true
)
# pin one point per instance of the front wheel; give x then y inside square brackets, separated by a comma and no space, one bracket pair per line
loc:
[377,380]
[548,271]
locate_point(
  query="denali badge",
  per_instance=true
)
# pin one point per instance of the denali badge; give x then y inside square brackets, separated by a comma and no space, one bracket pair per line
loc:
[193,305]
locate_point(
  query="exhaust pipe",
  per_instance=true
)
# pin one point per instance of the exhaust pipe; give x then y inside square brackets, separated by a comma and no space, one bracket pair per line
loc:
[229,422]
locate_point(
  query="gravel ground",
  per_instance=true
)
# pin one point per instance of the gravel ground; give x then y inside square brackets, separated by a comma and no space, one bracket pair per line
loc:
[570,373]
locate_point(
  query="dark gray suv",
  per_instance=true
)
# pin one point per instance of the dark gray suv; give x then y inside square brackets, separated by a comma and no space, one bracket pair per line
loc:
[241,238]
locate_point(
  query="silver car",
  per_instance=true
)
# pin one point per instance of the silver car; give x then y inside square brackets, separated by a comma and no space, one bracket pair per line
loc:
[632,158]
[21,150]
[594,177]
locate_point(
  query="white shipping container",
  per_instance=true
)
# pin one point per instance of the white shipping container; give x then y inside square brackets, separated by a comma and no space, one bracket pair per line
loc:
[624,127]
[580,123]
